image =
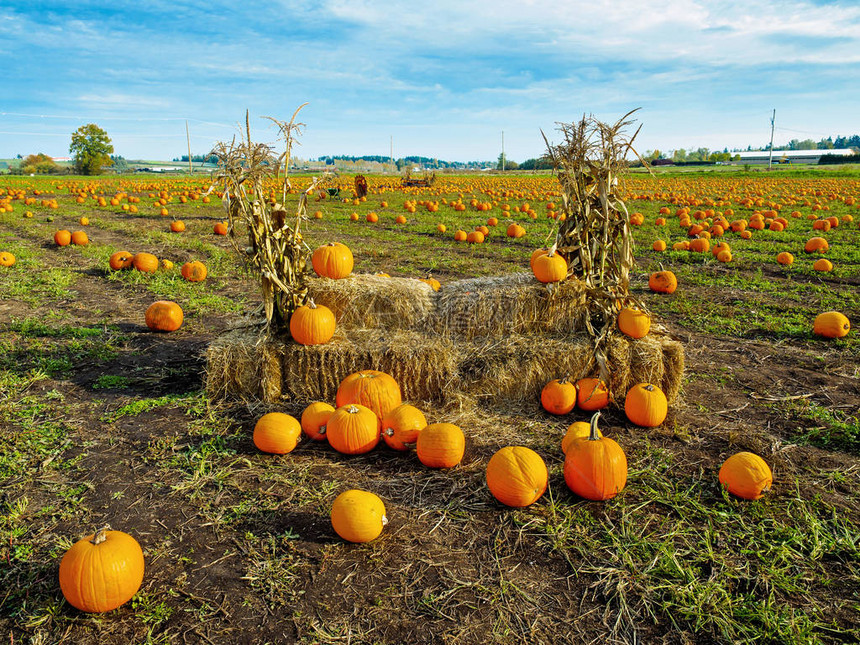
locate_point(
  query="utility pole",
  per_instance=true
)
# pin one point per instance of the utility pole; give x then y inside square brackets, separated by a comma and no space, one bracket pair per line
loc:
[503,151]
[188,137]
[391,151]
[770,157]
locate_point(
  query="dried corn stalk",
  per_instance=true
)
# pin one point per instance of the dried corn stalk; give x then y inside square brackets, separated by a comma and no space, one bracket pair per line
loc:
[275,250]
[595,235]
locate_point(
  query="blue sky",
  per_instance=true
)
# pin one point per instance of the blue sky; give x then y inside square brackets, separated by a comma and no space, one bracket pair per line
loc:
[443,78]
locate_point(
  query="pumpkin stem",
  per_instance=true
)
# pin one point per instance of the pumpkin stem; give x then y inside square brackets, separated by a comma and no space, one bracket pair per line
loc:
[648,387]
[100,536]
[352,409]
[593,436]
[311,303]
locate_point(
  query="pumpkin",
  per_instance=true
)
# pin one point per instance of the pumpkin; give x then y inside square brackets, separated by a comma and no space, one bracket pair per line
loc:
[576,430]
[145,262]
[663,282]
[535,255]
[372,217]
[120,260]
[371,388]
[220,228]
[823,264]
[63,238]
[595,467]
[165,264]
[592,394]
[277,433]
[333,260]
[102,571]
[700,245]
[194,271]
[633,322]
[475,237]
[358,516]
[517,476]
[558,396]
[6,259]
[312,324]
[177,226]
[353,429]
[402,425]
[84,221]
[746,475]
[441,228]
[646,405]
[433,282]
[516,231]
[816,245]
[79,238]
[785,258]
[831,324]
[164,315]
[440,445]
[315,420]
[549,267]
[659,245]
[461,236]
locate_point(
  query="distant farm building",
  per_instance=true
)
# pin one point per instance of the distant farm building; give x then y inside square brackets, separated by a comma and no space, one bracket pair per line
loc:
[791,156]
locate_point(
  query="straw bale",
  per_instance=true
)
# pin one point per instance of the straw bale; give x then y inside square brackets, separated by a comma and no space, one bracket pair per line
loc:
[510,304]
[235,367]
[368,301]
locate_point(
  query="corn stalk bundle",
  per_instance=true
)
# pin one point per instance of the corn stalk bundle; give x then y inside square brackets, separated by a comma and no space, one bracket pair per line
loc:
[594,236]
[275,250]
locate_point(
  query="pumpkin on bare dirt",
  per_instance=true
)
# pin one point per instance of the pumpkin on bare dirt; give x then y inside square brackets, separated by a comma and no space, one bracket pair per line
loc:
[164,315]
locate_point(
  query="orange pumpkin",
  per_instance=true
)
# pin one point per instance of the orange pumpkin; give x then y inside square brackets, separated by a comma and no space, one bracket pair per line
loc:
[353,429]
[646,405]
[315,419]
[312,324]
[6,259]
[102,571]
[785,258]
[576,430]
[371,388]
[596,467]
[663,282]
[121,260]
[277,433]
[517,476]
[333,260]
[440,445]
[164,315]
[145,262]
[592,394]
[823,264]
[549,267]
[633,322]
[220,228]
[177,226]
[62,238]
[659,245]
[402,425]
[79,238]
[358,516]
[558,396]
[831,324]
[194,271]
[816,245]
[746,475]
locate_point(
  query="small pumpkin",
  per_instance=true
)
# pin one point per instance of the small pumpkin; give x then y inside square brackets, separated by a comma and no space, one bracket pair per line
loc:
[102,571]
[595,467]
[62,238]
[371,388]
[663,282]
[831,324]
[358,516]
[353,429]
[6,259]
[79,238]
[121,260]
[816,245]
[164,315]
[315,420]
[785,258]
[402,425]
[177,226]
[823,264]
[441,445]
[220,228]
[333,260]
[746,475]
[194,271]
[576,430]
[145,262]
[550,267]
[277,433]
[646,405]
[592,394]
[558,396]
[312,324]
[634,323]
[517,476]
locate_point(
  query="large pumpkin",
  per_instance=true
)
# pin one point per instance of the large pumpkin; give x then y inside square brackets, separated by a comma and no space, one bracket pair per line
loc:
[371,388]
[277,433]
[333,260]
[596,467]
[145,262]
[663,282]
[558,396]
[402,425]
[633,322]
[440,445]
[358,516]
[646,405]
[516,476]
[353,429]
[194,271]
[102,571]
[746,475]
[831,324]
[164,315]
[121,260]
[312,324]
[549,267]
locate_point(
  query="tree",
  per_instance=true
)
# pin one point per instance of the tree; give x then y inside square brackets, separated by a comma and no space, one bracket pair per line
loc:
[120,165]
[91,148]
[38,164]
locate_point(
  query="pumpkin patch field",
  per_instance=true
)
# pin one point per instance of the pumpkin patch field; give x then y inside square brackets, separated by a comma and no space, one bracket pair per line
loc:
[725,510]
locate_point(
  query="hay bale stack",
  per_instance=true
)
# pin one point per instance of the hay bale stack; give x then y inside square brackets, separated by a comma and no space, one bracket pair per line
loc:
[510,304]
[364,301]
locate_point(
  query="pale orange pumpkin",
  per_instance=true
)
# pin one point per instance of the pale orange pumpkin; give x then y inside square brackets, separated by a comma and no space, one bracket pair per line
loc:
[277,433]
